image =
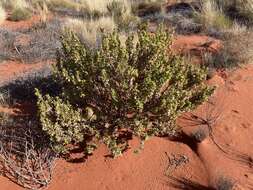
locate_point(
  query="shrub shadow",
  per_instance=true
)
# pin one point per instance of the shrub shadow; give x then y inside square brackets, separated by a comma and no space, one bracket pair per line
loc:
[186,184]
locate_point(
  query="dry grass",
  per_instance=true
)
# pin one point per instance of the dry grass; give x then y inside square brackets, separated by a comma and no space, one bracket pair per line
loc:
[64,4]
[20,14]
[238,8]
[97,5]
[14,4]
[89,31]
[2,14]
[236,51]
[43,12]
[213,16]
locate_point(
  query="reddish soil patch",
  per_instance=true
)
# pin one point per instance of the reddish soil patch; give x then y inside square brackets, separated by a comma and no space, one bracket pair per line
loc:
[145,170]
[148,169]
[10,70]
[20,25]
[195,44]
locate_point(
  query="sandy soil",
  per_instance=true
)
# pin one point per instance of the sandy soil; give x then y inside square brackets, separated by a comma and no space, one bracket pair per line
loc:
[11,70]
[148,169]
[26,24]
[228,155]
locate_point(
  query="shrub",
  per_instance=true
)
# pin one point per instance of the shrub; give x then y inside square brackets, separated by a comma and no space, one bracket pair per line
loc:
[20,14]
[119,91]
[235,51]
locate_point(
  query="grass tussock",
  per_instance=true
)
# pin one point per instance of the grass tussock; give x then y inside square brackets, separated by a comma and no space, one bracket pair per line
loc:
[213,16]
[19,14]
[14,4]
[2,14]
[63,4]
[90,30]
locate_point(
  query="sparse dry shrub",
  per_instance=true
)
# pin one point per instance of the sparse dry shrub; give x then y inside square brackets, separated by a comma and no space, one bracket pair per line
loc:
[119,91]
[236,50]
[25,155]
[240,47]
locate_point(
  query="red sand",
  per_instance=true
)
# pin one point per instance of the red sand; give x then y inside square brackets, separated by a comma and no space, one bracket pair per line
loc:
[146,170]
[13,69]
[195,44]
[25,24]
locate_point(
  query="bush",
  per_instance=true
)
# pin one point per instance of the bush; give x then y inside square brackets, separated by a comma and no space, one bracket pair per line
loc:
[20,14]
[119,91]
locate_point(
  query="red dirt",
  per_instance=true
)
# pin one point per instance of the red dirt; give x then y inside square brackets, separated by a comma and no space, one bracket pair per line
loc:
[10,69]
[25,24]
[196,43]
[146,170]
[13,69]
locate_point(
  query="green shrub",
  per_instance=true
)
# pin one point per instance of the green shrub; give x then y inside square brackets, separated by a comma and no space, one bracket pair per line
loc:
[119,91]
[20,14]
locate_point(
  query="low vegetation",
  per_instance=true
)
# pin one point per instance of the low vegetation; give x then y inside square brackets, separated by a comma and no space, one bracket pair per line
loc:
[118,91]
[2,14]
[20,14]
[212,16]
[90,31]
[115,78]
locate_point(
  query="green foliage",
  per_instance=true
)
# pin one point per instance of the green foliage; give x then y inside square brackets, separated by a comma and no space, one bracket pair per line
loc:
[119,91]
[65,124]
[20,14]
